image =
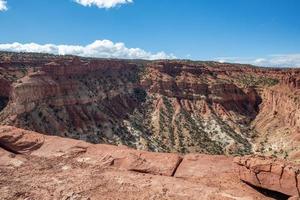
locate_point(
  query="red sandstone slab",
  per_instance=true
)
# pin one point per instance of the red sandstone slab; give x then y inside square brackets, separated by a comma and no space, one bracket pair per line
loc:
[200,165]
[133,160]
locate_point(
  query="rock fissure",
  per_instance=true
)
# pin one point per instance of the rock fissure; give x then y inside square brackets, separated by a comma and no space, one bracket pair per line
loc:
[176,166]
[281,173]
[257,178]
[297,183]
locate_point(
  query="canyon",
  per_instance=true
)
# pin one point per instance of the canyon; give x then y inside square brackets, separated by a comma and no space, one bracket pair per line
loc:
[164,129]
[162,106]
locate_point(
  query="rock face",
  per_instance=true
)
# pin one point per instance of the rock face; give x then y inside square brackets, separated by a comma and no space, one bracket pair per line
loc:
[270,173]
[278,121]
[164,106]
[61,168]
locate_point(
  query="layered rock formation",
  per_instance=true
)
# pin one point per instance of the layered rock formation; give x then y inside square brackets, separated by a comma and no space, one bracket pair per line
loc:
[165,106]
[35,166]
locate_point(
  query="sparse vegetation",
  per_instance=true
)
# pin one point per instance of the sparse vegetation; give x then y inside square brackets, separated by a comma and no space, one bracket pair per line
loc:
[3,102]
[140,94]
[252,81]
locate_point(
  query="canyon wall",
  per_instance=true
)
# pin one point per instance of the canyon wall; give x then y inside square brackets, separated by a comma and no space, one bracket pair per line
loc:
[278,121]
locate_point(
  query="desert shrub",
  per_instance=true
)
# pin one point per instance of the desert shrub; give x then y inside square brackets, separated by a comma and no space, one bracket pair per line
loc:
[140,94]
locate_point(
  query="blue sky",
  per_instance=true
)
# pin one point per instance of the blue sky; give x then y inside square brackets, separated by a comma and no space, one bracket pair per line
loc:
[263,32]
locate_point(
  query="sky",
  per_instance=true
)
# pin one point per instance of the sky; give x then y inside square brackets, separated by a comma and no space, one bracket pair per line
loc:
[260,32]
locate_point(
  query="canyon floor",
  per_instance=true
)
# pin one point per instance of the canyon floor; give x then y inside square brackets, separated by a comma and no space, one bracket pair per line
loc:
[85,128]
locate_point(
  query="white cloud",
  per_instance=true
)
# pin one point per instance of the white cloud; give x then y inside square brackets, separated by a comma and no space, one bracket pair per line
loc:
[103,3]
[3,6]
[99,48]
[281,60]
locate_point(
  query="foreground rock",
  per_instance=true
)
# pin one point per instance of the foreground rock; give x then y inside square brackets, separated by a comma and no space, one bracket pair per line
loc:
[21,141]
[35,166]
[200,165]
[270,173]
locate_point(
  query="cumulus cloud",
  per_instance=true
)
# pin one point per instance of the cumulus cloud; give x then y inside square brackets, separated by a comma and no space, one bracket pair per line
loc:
[103,3]
[281,60]
[99,49]
[3,6]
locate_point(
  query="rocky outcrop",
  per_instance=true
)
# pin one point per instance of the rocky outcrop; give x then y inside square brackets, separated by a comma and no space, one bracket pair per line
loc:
[269,173]
[19,141]
[61,168]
